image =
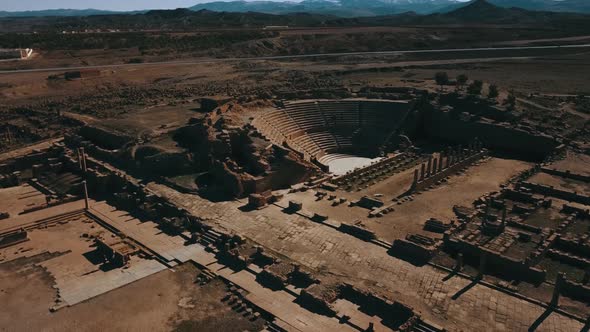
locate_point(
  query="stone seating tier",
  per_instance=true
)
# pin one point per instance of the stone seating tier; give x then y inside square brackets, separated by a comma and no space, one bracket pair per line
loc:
[317,127]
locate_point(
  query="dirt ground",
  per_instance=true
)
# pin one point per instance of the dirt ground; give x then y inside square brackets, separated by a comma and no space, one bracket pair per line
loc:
[18,199]
[560,73]
[410,216]
[167,301]
[561,183]
[576,163]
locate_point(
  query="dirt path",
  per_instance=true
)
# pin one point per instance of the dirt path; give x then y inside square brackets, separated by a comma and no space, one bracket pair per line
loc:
[303,56]
[563,109]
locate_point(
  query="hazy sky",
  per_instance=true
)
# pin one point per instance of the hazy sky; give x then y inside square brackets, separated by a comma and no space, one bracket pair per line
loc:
[123,5]
[18,5]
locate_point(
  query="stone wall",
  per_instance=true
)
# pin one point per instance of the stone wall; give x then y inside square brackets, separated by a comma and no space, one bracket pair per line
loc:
[319,299]
[439,124]
[105,139]
[545,190]
[580,213]
[411,251]
[395,315]
[566,174]
[13,172]
[496,263]
[357,231]
[575,290]
[13,237]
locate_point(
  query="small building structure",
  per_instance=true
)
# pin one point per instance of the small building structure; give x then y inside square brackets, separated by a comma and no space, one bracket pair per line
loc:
[15,53]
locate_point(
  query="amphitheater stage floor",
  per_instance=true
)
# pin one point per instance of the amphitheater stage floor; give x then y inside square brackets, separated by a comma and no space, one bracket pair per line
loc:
[339,164]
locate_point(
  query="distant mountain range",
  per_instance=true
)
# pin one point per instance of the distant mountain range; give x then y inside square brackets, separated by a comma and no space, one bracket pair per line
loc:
[474,13]
[481,12]
[356,8]
[340,8]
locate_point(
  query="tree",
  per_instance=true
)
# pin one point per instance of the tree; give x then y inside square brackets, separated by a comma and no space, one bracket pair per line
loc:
[493,92]
[510,101]
[475,88]
[461,81]
[442,79]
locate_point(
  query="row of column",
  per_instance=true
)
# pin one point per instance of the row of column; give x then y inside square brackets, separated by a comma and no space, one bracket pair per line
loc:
[453,156]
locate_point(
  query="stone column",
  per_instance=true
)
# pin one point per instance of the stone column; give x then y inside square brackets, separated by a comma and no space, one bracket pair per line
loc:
[434,165]
[449,154]
[83,155]
[415,182]
[79,158]
[86,202]
[440,162]
[422,171]
[429,167]
[85,161]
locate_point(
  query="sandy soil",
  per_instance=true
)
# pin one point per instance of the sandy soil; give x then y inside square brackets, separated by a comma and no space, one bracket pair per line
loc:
[576,163]
[438,202]
[17,199]
[561,183]
[410,216]
[169,300]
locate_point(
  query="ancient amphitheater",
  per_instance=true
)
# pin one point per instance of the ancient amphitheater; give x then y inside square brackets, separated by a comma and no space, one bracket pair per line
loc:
[338,134]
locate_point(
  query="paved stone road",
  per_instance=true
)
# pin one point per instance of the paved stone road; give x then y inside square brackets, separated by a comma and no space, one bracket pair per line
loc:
[172,248]
[454,303]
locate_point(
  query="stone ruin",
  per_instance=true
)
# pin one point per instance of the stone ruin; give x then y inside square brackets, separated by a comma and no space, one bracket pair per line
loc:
[447,163]
[249,165]
[396,316]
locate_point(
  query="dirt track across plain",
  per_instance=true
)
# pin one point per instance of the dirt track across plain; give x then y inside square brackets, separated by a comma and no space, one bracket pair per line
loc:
[302,56]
